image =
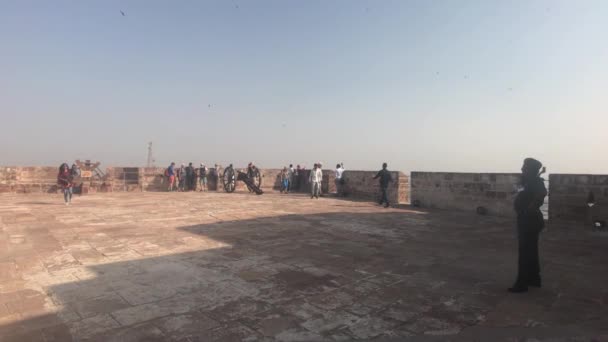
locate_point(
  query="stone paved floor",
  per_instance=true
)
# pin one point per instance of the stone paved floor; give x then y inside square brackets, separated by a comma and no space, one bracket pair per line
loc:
[232,267]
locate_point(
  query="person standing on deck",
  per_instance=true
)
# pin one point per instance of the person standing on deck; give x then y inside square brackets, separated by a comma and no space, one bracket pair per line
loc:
[315,178]
[385,178]
[338,179]
[320,167]
[284,176]
[190,178]
[202,177]
[64,180]
[297,177]
[171,175]
[290,173]
[181,177]
[530,222]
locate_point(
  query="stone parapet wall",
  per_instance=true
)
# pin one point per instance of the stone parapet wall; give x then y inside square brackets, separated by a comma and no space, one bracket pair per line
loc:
[361,184]
[569,193]
[465,191]
[28,179]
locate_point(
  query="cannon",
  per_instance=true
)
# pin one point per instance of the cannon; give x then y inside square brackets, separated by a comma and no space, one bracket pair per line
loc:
[253,179]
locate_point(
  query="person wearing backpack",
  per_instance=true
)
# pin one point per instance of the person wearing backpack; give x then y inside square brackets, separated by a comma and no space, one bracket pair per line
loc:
[170,174]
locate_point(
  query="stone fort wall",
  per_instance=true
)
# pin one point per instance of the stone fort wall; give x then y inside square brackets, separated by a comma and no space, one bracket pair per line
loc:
[568,193]
[359,184]
[465,191]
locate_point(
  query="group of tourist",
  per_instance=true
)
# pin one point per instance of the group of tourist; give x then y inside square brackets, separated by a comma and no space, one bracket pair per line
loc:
[291,179]
[527,204]
[189,178]
[288,177]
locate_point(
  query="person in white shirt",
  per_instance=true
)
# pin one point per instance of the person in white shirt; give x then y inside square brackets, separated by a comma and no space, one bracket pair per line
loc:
[320,167]
[316,176]
[338,180]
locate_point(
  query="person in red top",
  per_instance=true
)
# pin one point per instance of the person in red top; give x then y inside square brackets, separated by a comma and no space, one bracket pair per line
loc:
[64,180]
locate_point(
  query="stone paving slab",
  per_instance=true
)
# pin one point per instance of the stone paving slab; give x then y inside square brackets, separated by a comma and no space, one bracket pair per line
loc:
[236,267]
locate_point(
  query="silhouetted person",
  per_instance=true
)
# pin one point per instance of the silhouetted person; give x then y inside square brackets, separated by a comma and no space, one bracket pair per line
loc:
[530,222]
[385,179]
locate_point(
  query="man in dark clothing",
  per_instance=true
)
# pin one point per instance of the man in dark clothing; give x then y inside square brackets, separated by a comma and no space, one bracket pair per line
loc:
[530,223]
[385,178]
[190,177]
[296,177]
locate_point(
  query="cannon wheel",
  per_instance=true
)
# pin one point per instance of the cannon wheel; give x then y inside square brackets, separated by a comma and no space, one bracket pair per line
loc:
[229,179]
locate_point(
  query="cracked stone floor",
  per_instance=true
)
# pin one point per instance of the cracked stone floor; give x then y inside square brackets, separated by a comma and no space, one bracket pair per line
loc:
[237,267]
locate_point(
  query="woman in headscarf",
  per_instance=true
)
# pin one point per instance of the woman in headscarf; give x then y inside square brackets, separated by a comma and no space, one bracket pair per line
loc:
[64,180]
[530,223]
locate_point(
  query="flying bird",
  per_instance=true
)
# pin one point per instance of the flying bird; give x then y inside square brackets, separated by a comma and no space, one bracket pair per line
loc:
[123,13]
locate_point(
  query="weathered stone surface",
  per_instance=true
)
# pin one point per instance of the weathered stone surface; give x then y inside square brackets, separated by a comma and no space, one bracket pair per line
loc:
[465,191]
[232,267]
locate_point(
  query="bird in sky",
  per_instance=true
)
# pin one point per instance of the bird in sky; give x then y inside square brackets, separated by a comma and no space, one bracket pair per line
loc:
[123,13]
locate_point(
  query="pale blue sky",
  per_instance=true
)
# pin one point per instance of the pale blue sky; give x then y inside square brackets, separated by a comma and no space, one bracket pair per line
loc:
[424,85]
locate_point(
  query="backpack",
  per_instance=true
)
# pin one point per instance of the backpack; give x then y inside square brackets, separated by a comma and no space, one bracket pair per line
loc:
[167,172]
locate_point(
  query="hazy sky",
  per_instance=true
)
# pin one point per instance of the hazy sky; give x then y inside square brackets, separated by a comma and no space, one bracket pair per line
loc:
[424,85]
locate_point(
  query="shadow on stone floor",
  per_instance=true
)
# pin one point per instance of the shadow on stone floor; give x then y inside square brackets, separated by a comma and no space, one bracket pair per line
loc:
[331,276]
